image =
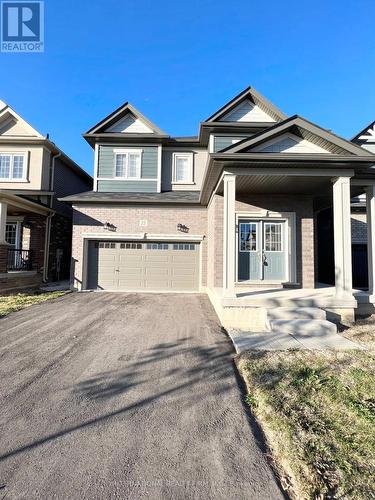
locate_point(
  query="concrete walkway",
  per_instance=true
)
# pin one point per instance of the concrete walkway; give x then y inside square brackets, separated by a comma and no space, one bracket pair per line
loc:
[281,341]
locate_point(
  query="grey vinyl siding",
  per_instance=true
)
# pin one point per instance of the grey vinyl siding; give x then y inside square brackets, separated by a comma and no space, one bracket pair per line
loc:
[222,142]
[149,170]
[120,186]
[66,182]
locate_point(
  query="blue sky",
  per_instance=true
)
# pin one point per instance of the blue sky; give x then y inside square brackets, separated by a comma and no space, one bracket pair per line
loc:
[177,62]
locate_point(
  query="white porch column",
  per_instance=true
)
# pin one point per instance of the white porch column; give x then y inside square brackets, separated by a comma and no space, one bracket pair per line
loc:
[370,212]
[229,243]
[342,238]
[3,220]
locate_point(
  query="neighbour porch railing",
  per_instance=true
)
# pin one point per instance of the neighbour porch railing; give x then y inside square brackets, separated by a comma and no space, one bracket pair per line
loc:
[19,260]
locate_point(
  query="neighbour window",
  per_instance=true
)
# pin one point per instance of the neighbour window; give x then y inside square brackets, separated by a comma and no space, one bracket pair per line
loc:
[183,168]
[128,164]
[11,233]
[12,166]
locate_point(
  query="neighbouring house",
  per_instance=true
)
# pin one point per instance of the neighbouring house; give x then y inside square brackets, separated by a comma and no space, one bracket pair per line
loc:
[365,139]
[35,228]
[233,212]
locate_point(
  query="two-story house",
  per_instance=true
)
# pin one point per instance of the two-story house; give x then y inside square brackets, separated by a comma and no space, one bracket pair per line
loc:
[35,228]
[232,212]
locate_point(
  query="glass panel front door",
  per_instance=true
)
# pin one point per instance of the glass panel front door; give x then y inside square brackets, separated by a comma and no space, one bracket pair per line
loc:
[261,250]
[249,254]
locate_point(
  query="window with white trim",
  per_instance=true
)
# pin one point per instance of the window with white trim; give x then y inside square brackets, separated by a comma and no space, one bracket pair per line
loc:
[183,168]
[128,164]
[12,166]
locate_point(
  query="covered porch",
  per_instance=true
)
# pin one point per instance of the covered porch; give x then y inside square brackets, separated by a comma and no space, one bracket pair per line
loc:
[270,240]
[23,238]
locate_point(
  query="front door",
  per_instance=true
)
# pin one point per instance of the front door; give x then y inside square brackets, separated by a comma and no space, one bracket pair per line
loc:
[261,250]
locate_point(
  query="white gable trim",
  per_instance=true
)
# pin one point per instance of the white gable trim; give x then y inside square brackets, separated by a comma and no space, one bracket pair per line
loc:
[130,124]
[289,143]
[369,136]
[8,114]
[247,111]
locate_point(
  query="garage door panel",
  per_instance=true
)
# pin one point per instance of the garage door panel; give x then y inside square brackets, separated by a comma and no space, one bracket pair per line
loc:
[130,283]
[157,284]
[156,258]
[151,272]
[144,266]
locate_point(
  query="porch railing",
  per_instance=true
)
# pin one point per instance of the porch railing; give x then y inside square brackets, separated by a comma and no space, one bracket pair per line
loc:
[19,260]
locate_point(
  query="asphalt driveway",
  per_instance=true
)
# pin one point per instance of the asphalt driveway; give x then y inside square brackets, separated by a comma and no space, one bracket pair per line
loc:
[107,395]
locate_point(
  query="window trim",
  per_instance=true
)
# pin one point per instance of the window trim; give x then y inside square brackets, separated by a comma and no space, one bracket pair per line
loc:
[190,156]
[11,166]
[126,152]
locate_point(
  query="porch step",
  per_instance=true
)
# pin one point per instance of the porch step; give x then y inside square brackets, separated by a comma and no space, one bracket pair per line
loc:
[303,327]
[295,313]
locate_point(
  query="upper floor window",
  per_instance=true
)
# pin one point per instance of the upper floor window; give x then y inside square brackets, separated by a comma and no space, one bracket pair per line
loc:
[128,163]
[183,168]
[12,166]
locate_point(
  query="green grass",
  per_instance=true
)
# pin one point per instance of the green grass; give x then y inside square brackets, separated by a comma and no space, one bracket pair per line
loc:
[317,411]
[11,303]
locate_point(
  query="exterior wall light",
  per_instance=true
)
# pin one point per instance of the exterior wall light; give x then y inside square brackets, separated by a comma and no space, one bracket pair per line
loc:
[109,227]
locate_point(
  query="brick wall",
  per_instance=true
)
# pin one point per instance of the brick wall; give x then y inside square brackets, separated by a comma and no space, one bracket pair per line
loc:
[37,239]
[60,240]
[301,205]
[3,258]
[13,282]
[215,242]
[359,228]
[201,221]
[90,219]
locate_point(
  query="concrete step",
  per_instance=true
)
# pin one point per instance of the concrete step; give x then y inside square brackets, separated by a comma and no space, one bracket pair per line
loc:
[295,313]
[303,327]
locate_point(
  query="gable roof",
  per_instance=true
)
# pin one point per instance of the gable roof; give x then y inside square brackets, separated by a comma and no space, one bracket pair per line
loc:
[365,135]
[248,94]
[118,115]
[13,125]
[14,129]
[302,128]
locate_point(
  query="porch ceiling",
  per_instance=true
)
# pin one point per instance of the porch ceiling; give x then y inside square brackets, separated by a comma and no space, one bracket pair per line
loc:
[281,184]
[17,205]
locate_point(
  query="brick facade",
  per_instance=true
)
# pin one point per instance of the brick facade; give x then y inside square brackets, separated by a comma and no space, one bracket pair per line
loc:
[359,228]
[128,220]
[203,221]
[3,258]
[37,225]
[303,208]
[60,242]
[19,281]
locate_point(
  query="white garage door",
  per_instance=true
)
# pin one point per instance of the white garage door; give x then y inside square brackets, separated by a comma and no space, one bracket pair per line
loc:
[143,266]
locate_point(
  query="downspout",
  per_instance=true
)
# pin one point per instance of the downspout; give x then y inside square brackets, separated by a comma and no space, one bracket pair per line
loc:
[49,217]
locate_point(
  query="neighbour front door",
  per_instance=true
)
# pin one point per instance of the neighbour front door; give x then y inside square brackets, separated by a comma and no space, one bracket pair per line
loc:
[261,250]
